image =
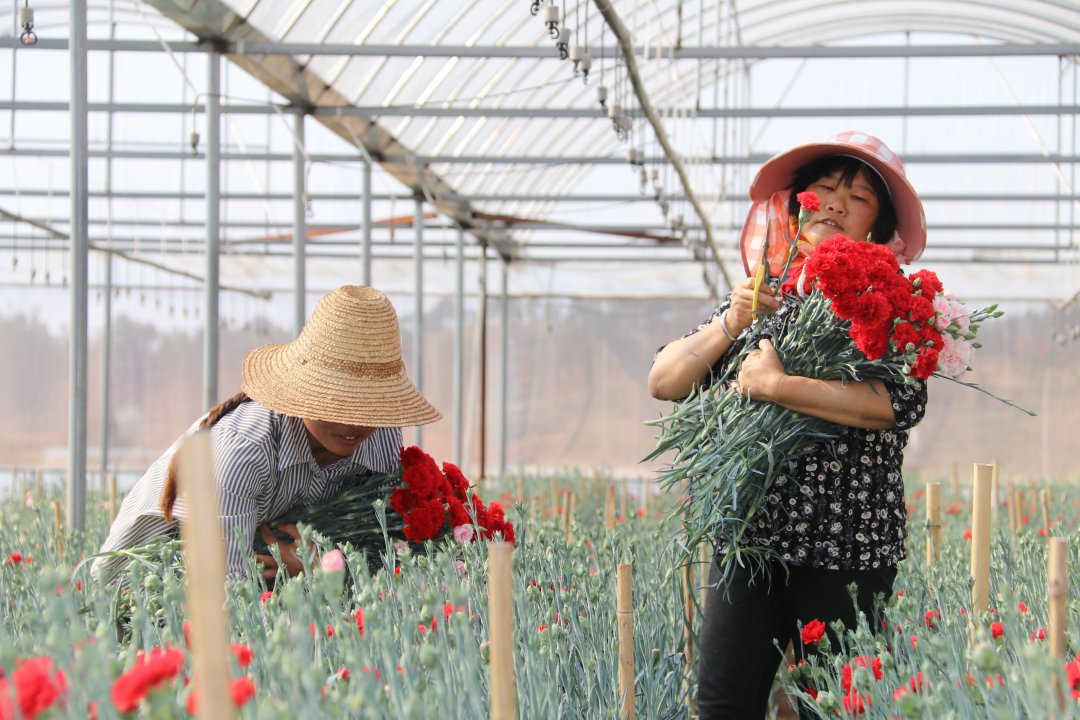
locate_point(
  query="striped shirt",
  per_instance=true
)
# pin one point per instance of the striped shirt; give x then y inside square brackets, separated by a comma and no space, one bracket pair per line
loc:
[264,466]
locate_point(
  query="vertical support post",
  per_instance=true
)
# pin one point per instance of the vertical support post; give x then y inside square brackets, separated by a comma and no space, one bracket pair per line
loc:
[1044,501]
[980,539]
[299,229]
[418,296]
[106,337]
[112,498]
[609,506]
[365,226]
[501,620]
[625,614]
[566,512]
[211,287]
[482,355]
[933,522]
[504,363]
[459,344]
[995,494]
[205,549]
[80,226]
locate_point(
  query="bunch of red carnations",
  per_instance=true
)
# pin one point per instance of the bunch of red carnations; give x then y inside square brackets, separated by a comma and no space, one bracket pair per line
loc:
[424,501]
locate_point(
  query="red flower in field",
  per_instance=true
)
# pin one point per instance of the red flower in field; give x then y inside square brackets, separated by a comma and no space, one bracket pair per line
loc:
[38,686]
[856,704]
[263,597]
[187,635]
[808,201]
[1072,675]
[967,533]
[991,679]
[15,559]
[812,632]
[359,616]
[343,673]
[1038,635]
[929,618]
[862,661]
[243,653]
[447,610]
[241,690]
[543,628]
[149,672]
[997,629]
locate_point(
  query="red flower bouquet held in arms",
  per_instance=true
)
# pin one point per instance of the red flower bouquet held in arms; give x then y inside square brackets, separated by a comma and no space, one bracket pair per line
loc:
[860,318]
[425,503]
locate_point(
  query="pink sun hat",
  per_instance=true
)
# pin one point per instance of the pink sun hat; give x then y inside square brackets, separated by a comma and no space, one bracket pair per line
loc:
[767,215]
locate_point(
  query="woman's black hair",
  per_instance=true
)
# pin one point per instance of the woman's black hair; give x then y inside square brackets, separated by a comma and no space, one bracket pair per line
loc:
[849,167]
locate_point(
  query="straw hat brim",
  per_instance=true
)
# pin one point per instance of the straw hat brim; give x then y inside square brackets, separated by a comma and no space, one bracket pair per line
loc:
[778,173]
[278,377]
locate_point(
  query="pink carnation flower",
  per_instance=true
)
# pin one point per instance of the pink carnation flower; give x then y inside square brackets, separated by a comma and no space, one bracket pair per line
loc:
[950,312]
[333,561]
[955,356]
[463,533]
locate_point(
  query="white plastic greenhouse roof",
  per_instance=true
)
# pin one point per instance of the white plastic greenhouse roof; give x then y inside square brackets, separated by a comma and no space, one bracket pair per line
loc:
[468,105]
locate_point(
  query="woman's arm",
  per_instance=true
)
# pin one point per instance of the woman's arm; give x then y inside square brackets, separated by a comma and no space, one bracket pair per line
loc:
[684,363]
[863,404]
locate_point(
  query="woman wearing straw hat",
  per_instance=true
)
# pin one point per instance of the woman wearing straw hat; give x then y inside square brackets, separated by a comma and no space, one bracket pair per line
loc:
[836,515]
[312,415]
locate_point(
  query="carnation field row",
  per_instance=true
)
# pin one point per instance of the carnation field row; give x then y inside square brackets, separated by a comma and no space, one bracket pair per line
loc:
[412,642]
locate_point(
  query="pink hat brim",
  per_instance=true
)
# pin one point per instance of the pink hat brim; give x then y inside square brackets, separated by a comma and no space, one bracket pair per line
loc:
[778,172]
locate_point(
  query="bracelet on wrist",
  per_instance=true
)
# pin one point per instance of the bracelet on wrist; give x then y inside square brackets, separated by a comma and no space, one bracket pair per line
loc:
[723,326]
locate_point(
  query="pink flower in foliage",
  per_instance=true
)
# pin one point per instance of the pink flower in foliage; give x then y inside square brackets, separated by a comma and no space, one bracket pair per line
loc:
[464,534]
[333,561]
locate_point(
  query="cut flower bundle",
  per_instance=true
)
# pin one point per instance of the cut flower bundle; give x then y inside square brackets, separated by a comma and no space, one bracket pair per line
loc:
[854,316]
[425,503]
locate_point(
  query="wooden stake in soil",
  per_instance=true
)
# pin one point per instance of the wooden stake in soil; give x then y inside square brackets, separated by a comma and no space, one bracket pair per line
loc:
[622,498]
[624,609]
[995,489]
[204,560]
[501,628]
[980,538]
[933,522]
[112,498]
[1044,501]
[609,506]
[1058,582]
[58,519]
[566,514]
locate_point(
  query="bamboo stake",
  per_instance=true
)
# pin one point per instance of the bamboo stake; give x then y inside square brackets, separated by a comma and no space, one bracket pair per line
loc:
[933,522]
[625,613]
[609,506]
[622,498]
[1044,501]
[1058,591]
[980,539]
[566,514]
[58,519]
[573,505]
[204,551]
[995,501]
[554,497]
[112,498]
[688,635]
[501,623]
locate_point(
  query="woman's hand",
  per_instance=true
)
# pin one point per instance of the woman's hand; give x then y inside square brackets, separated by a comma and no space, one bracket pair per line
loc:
[761,373]
[293,565]
[740,314]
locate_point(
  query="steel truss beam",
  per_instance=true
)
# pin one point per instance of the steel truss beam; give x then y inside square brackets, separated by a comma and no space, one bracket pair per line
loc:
[425,160]
[759,52]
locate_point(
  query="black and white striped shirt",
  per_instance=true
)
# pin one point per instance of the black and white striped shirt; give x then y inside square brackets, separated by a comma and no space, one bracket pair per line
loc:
[264,466]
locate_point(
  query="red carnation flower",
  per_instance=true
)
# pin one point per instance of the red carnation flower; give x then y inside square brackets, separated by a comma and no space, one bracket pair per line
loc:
[997,629]
[148,673]
[243,653]
[812,632]
[38,686]
[359,617]
[808,201]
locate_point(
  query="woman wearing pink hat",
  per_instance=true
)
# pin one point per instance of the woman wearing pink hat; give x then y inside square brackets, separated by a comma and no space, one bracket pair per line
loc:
[835,516]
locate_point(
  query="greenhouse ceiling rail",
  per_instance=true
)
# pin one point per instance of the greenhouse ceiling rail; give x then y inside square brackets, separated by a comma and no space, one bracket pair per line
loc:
[541,51]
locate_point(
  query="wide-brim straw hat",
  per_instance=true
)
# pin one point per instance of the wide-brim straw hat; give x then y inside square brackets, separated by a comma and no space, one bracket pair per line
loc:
[778,173]
[345,367]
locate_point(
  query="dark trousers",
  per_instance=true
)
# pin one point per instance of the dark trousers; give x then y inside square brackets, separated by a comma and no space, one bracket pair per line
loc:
[739,659]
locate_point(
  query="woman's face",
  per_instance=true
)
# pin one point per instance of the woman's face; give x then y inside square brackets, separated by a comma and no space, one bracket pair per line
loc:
[848,210]
[335,438]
